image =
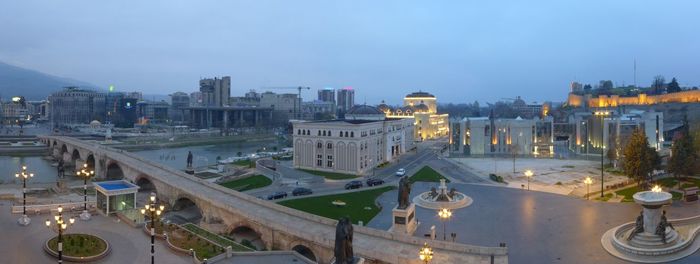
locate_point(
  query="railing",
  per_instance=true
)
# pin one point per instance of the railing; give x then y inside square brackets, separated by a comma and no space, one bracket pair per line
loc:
[46,208]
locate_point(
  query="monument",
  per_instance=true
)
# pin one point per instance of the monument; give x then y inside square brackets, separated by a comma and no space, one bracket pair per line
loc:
[652,238]
[404,214]
[343,253]
[189,169]
[442,198]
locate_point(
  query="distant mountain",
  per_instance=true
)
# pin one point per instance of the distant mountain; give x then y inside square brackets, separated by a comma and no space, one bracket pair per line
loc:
[33,85]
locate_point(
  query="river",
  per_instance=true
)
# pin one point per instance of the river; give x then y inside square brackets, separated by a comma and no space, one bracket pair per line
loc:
[173,157]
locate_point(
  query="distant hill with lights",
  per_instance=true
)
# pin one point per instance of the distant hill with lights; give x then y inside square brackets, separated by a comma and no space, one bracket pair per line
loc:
[33,85]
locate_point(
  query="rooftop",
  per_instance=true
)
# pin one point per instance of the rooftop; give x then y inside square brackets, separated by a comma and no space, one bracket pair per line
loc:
[419,94]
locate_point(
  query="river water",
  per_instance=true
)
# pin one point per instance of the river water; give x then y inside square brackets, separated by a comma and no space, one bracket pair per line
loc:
[174,157]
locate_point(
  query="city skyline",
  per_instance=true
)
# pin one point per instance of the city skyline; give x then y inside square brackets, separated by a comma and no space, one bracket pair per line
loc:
[512,48]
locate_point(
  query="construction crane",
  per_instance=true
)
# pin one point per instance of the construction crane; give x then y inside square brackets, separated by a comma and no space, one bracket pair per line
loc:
[297,102]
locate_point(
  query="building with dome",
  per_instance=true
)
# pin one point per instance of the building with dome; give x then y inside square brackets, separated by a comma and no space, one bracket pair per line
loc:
[354,145]
[422,107]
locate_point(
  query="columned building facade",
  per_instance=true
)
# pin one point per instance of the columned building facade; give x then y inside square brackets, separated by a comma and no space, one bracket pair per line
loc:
[354,145]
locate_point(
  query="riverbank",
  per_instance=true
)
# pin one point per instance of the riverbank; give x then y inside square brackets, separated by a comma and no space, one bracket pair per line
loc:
[150,145]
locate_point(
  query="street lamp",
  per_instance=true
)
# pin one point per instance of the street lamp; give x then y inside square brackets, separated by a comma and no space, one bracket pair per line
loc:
[426,253]
[528,174]
[61,226]
[588,181]
[86,173]
[153,210]
[24,175]
[444,215]
[602,115]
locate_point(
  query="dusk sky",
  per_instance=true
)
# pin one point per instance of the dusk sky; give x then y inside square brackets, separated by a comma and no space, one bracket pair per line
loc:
[461,51]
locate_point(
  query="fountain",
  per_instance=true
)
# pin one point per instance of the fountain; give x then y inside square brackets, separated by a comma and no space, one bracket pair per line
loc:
[441,198]
[652,238]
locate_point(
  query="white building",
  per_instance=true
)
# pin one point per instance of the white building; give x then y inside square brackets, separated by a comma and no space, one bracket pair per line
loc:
[484,135]
[354,145]
[616,130]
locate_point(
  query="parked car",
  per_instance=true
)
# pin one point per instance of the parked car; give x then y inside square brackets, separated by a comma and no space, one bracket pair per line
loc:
[301,191]
[277,195]
[373,182]
[401,172]
[353,185]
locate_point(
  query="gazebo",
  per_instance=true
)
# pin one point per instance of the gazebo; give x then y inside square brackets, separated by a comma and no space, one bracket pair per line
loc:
[114,196]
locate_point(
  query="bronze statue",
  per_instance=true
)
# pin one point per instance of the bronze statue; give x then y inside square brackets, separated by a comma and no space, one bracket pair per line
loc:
[638,226]
[404,191]
[661,228]
[61,169]
[189,159]
[452,192]
[343,242]
[433,192]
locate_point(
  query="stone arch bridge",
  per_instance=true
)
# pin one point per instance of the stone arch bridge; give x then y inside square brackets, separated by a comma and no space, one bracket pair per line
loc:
[278,227]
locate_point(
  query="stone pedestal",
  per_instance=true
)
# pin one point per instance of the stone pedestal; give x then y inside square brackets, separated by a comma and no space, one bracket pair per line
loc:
[404,220]
[189,170]
[24,220]
[85,215]
[652,217]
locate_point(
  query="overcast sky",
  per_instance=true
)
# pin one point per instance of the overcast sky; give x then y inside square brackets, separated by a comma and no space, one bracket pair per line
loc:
[460,50]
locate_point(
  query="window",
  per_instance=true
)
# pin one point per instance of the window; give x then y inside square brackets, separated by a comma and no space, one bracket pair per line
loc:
[352,134]
[341,133]
[319,145]
[330,157]
[346,133]
[319,156]
[298,131]
[329,146]
[319,132]
[324,133]
[319,163]
[308,132]
[329,164]
[329,133]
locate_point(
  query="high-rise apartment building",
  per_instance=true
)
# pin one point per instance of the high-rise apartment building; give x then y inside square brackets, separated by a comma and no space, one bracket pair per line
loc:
[215,92]
[179,102]
[326,95]
[346,100]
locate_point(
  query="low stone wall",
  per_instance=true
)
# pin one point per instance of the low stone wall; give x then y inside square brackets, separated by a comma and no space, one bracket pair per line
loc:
[97,257]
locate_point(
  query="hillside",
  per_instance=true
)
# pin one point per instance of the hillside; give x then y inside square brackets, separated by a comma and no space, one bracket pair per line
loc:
[33,85]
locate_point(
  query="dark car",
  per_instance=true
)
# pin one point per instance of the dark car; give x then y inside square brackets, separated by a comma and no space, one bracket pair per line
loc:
[301,191]
[277,195]
[353,185]
[373,182]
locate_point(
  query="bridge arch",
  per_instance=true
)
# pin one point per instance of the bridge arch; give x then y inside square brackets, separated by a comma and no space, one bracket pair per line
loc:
[114,171]
[185,210]
[64,149]
[75,155]
[145,184]
[305,251]
[90,161]
[244,231]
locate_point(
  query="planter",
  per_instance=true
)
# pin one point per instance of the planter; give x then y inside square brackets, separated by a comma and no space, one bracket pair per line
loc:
[66,257]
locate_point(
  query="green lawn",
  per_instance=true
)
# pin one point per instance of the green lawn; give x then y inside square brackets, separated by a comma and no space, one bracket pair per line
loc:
[252,182]
[427,174]
[628,192]
[360,206]
[331,175]
[224,242]
[79,245]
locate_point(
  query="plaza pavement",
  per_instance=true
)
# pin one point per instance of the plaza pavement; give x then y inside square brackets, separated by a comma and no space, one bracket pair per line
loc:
[537,227]
[24,245]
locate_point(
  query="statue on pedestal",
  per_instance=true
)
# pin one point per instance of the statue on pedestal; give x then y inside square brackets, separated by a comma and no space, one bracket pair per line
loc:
[61,170]
[404,191]
[661,228]
[343,242]
[638,226]
[189,159]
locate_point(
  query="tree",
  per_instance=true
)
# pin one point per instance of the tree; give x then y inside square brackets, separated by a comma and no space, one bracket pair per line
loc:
[673,86]
[587,88]
[637,157]
[658,84]
[683,153]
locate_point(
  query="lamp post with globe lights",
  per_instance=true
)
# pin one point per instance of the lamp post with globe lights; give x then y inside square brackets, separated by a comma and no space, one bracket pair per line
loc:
[24,175]
[588,181]
[153,210]
[602,115]
[444,215]
[61,225]
[426,253]
[86,173]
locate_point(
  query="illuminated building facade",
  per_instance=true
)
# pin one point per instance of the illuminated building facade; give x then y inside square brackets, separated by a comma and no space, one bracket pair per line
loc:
[422,107]
[602,101]
[616,130]
[487,136]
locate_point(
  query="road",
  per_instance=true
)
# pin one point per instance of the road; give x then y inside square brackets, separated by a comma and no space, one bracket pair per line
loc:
[427,153]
